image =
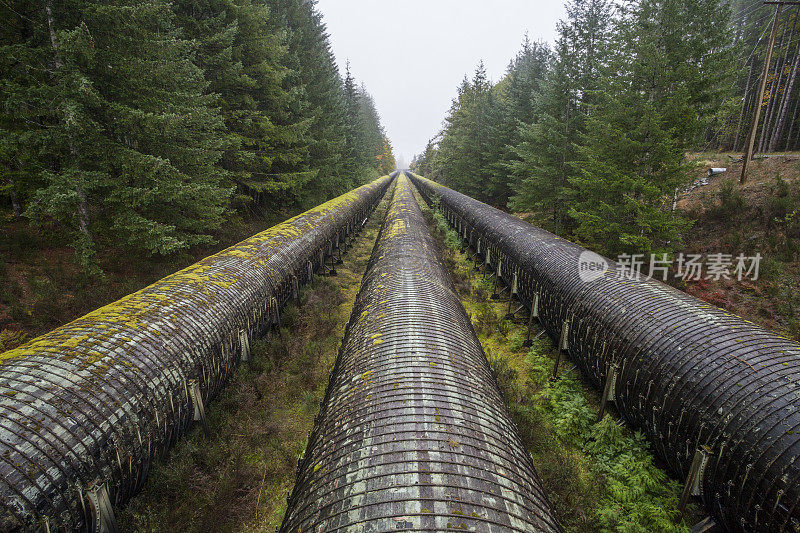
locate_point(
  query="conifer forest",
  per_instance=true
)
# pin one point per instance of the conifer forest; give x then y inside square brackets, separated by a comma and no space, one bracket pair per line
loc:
[228,304]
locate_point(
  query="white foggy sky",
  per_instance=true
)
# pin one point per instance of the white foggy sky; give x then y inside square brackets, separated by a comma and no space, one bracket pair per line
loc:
[412,54]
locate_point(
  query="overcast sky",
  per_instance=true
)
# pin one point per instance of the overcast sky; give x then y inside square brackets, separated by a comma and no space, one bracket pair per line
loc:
[412,54]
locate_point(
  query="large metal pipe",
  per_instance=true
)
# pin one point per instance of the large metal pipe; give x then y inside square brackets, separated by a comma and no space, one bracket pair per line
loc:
[697,380]
[86,408]
[413,432]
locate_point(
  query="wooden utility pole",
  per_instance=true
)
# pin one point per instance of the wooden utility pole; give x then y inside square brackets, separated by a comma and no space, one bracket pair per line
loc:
[751,138]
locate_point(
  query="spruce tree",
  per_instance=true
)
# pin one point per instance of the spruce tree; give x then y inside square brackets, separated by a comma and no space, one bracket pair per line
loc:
[513,109]
[242,56]
[318,98]
[25,67]
[633,159]
[547,149]
[355,155]
[386,159]
[373,134]
[130,124]
[463,150]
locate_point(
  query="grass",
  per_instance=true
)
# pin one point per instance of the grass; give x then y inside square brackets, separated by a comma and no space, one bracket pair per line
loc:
[237,478]
[761,217]
[599,475]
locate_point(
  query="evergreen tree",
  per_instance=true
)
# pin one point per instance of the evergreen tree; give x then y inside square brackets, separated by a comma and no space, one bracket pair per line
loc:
[242,57]
[634,152]
[356,158]
[25,64]
[548,145]
[514,109]
[373,135]
[365,135]
[130,136]
[129,124]
[386,159]
[318,98]
[424,163]
[546,149]
[461,156]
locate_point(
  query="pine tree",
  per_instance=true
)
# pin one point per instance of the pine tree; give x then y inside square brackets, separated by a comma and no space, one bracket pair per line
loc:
[463,150]
[547,148]
[25,63]
[702,55]
[513,108]
[373,134]
[425,163]
[243,57]
[130,124]
[318,98]
[365,136]
[386,159]
[356,158]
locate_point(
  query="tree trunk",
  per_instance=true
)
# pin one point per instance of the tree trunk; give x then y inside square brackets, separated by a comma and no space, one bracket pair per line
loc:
[83,213]
[48,7]
[767,117]
[15,205]
[83,203]
[780,64]
[768,111]
[558,208]
[744,104]
[773,142]
[792,125]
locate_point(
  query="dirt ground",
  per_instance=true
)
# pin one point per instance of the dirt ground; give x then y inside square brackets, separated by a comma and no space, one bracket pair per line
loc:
[760,176]
[751,218]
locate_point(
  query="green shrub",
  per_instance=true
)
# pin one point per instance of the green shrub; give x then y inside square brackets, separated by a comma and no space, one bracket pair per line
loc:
[731,202]
[600,476]
[505,375]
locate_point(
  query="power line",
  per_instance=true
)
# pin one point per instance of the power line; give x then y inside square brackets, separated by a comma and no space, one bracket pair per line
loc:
[728,121]
[751,138]
[757,5]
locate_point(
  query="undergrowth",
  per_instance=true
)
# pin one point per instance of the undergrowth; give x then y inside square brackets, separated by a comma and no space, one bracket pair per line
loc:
[599,475]
[760,218]
[237,478]
[42,286]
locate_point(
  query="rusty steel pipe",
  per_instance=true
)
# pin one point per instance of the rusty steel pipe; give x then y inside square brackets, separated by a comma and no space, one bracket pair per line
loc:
[86,408]
[697,380]
[413,432]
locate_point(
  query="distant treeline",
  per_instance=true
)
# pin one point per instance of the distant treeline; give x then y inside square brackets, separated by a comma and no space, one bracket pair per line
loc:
[591,135]
[147,123]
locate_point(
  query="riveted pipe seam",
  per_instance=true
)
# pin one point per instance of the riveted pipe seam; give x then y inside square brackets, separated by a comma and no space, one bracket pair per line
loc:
[95,401]
[412,430]
[689,374]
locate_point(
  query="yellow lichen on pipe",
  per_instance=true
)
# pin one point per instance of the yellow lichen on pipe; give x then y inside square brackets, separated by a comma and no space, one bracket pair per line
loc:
[92,403]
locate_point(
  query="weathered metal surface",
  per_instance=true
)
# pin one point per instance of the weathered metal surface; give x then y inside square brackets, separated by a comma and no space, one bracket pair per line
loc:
[94,402]
[413,432]
[689,374]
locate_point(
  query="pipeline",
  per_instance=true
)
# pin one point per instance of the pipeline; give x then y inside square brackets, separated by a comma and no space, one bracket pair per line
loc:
[716,395]
[87,408]
[413,432]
